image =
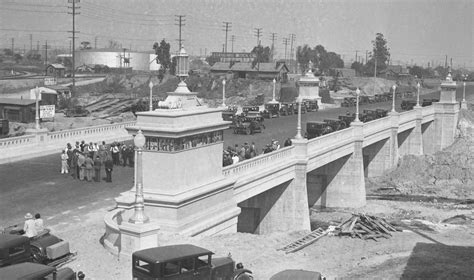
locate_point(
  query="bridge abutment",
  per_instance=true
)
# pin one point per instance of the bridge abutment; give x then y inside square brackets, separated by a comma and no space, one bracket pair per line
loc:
[377,158]
[446,115]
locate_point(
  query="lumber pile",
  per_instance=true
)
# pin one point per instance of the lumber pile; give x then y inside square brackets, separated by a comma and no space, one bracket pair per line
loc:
[365,227]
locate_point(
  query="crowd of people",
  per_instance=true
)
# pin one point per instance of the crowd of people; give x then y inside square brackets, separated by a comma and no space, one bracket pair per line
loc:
[233,155]
[86,161]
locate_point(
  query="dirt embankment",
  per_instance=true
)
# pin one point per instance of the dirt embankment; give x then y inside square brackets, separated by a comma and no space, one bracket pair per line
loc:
[448,173]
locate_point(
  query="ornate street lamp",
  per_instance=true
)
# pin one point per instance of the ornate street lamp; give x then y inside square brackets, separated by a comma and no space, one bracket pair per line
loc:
[139,215]
[37,123]
[464,91]
[418,94]
[357,105]
[298,127]
[151,95]
[274,84]
[223,93]
[394,88]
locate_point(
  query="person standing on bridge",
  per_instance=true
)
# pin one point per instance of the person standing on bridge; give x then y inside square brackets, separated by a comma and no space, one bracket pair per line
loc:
[81,160]
[109,166]
[64,165]
[89,163]
[97,167]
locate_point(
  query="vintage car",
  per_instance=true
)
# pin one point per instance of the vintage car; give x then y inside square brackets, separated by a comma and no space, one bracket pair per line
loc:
[347,119]
[229,113]
[36,271]
[408,104]
[381,113]
[44,248]
[335,124]
[248,125]
[303,108]
[428,102]
[272,110]
[315,129]
[287,109]
[295,274]
[184,261]
[311,105]
[77,111]
[250,110]
[348,101]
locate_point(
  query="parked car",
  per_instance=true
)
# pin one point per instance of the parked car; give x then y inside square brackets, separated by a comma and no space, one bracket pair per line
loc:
[311,105]
[248,125]
[44,248]
[272,110]
[295,274]
[77,111]
[34,271]
[183,261]
[315,129]
[229,113]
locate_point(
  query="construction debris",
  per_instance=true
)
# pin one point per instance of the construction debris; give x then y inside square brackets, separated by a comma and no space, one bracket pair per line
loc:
[305,240]
[365,227]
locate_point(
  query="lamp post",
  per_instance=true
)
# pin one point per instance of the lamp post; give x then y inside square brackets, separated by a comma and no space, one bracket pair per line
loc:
[298,126]
[357,105]
[223,93]
[139,215]
[274,84]
[463,91]
[418,94]
[394,88]
[151,95]
[37,123]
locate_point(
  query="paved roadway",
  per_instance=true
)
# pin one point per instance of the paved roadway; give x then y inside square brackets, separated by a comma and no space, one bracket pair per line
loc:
[36,185]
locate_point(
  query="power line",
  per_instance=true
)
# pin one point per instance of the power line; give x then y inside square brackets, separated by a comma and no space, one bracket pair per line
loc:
[227,26]
[258,33]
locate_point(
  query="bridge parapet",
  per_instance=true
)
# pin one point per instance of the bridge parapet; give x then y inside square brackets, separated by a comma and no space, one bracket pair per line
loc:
[260,161]
[329,140]
[94,132]
[19,141]
[376,126]
[407,116]
[427,111]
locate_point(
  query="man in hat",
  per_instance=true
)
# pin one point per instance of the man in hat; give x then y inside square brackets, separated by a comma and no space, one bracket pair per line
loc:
[29,227]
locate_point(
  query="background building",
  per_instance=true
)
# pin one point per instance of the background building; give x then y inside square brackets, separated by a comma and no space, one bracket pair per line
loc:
[113,58]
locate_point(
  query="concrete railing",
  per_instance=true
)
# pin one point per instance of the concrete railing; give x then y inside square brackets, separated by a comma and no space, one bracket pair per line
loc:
[329,140]
[407,116]
[95,133]
[260,161]
[427,111]
[20,141]
[375,126]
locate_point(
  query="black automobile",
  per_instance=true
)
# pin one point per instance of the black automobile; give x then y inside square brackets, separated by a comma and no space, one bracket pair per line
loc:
[182,262]
[32,271]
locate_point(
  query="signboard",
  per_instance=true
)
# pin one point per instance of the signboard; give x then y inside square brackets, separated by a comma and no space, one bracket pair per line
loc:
[50,81]
[47,111]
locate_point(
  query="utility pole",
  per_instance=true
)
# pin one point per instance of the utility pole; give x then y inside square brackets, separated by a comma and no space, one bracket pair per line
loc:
[232,39]
[366,56]
[446,62]
[95,42]
[285,42]
[74,12]
[292,37]
[227,26]
[46,53]
[13,46]
[258,34]
[451,63]
[31,42]
[180,19]
[274,35]
[356,56]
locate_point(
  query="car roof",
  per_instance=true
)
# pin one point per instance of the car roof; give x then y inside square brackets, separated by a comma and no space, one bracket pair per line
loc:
[10,240]
[296,274]
[170,253]
[26,271]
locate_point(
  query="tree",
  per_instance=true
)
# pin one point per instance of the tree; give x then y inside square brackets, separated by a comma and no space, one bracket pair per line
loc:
[8,52]
[212,59]
[358,67]
[162,51]
[380,55]
[321,59]
[263,54]
[303,56]
[18,58]
[114,44]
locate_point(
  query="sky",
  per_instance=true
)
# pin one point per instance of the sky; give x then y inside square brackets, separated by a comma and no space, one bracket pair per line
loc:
[417,31]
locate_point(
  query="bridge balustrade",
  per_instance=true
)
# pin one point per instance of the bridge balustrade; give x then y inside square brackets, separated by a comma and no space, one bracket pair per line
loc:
[87,132]
[329,140]
[19,141]
[427,111]
[407,116]
[258,162]
[375,126]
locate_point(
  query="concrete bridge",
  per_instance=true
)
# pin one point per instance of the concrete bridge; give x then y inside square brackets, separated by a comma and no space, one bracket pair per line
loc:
[273,192]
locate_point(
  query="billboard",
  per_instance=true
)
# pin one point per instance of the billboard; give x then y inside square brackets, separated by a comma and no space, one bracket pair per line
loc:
[47,111]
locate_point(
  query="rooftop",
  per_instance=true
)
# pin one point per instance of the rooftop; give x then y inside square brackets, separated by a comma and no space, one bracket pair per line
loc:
[15,101]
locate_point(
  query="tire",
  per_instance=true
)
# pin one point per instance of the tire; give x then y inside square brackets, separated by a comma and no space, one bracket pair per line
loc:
[37,256]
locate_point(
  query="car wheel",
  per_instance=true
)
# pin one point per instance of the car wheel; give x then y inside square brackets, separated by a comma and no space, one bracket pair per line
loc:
[37,256]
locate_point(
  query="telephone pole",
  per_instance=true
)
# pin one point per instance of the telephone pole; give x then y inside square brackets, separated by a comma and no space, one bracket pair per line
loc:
[258,34]
[356,56]
[74,12]
[232,39]
[293,38]
[274,35]
[227,26]
[46,53]
[285,42]
[13,46]
[31,42]
[180,19]
[95,42]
